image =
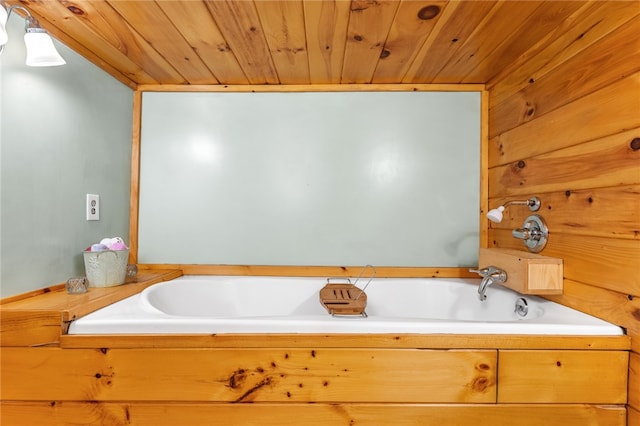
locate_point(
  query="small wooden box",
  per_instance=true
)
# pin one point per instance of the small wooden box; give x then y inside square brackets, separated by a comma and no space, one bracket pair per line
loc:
[527,273]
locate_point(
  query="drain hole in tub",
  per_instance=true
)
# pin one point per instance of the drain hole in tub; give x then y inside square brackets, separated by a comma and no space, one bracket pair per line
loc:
[522,307]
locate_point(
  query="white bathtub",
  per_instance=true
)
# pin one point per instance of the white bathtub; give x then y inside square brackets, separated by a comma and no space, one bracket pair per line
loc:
[224,304]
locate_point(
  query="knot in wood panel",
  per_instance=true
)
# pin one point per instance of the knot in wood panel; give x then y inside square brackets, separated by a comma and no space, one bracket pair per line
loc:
[262,383]
[241,381]
[428,12]
[105,378]
[480,384]
[75,10]
[529,111]
[237,379]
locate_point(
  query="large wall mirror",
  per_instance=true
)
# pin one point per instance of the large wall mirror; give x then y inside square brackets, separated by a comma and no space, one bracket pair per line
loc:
[313,178]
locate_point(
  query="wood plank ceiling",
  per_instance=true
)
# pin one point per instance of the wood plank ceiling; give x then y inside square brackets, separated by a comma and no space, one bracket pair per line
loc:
[305,42]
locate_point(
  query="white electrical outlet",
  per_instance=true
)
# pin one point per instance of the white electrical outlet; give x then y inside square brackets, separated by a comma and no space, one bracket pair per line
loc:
[93,207]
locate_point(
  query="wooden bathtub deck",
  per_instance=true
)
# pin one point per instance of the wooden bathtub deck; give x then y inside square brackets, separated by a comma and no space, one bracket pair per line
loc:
[49,377]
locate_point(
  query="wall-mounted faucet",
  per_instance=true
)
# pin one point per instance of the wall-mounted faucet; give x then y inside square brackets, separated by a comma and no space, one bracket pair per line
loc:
[534,233]
[490,275]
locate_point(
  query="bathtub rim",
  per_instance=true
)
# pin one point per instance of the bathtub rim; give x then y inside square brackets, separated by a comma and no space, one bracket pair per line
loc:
[347,341]
[41,317]
[135,315]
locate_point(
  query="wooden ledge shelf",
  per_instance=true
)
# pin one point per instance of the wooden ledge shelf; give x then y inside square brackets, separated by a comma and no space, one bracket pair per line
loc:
[40,317]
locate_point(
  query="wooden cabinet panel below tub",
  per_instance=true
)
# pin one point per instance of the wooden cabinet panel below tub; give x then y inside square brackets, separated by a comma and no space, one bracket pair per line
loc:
[250,375]
[592,377]
[302,414]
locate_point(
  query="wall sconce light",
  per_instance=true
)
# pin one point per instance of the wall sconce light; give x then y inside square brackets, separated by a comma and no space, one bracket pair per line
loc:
[40,49]
[495,215]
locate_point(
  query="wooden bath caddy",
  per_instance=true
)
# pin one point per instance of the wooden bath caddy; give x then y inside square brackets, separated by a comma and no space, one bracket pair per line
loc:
[343,299]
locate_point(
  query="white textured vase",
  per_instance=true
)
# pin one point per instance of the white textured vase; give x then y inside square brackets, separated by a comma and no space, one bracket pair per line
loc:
[106,268]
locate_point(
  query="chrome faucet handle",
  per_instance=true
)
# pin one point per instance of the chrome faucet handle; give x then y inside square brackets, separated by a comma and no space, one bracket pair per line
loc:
[498,275]
[483,272]
[522,233]
[534,233]
[491,271]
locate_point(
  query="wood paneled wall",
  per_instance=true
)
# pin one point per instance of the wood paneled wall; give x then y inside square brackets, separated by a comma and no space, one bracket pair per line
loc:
[565,126]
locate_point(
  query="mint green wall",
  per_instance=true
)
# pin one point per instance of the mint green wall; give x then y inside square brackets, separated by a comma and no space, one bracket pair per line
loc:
[64,132]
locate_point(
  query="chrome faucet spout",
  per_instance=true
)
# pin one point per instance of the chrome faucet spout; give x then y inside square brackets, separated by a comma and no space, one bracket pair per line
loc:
[490,275]
[482,289]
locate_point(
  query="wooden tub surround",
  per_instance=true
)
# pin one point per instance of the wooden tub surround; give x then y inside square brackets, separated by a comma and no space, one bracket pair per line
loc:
[49,377]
